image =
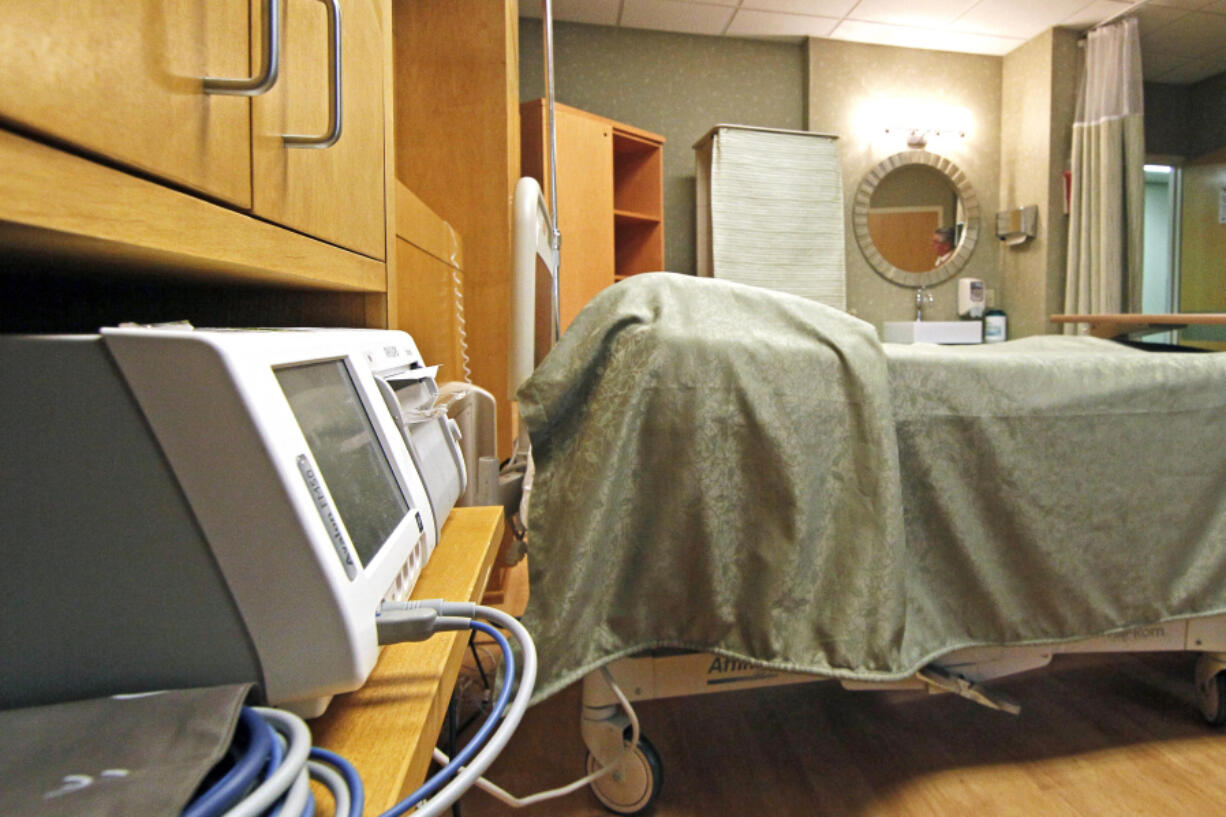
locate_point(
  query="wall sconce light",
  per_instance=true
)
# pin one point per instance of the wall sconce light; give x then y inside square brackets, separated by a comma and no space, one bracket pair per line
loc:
[916,121]
[917,138]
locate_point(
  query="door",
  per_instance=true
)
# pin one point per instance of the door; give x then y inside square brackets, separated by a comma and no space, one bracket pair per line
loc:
[336,192]
[123,81]
[1202,258]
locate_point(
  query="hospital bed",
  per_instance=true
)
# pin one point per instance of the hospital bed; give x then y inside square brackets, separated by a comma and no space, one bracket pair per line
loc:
[736,488]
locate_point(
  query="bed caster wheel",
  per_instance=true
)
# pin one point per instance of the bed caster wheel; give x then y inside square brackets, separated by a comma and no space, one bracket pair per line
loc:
[1211,688]
[632,787]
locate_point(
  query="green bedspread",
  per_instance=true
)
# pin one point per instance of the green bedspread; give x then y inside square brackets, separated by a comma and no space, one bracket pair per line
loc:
[728,469]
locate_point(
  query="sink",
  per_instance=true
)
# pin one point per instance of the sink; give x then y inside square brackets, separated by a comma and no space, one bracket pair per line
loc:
[933,332]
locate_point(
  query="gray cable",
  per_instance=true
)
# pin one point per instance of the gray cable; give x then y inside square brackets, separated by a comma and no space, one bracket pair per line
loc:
[469,774]
[336,784]
[296,752]
[295,800]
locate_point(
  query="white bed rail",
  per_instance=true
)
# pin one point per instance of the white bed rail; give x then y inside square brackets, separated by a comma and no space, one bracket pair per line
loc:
[533,259]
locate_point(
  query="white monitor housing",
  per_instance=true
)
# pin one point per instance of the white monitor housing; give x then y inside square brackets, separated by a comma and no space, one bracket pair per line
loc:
[192,507]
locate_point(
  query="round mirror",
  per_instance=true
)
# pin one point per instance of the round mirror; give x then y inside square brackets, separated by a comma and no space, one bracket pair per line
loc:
[916,218]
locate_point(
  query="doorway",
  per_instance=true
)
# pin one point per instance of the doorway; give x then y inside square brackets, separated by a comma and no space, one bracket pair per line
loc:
[1160,271]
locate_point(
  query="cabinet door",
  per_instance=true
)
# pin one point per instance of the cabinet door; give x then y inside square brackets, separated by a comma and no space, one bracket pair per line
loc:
[429,308]
[122,80]
[333,193]
[585,215]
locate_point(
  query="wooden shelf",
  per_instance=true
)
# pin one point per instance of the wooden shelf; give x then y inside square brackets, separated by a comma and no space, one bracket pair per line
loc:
[71,205]
[388,728]
[639,247]
[638,174]
[631,217]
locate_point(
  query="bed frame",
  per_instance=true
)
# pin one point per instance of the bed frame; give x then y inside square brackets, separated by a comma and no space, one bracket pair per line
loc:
[631,788]
[605,723]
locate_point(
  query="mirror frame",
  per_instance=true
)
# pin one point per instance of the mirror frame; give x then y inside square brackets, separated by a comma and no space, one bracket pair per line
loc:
[970,230]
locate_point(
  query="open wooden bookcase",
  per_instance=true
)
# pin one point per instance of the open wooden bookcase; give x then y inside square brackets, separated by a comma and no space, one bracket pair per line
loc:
[610,193]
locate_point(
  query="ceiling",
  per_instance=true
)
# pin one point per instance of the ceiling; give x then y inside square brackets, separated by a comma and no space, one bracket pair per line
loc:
[1182,41]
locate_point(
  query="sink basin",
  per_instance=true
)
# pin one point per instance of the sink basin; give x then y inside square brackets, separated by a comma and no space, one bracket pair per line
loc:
[933,332]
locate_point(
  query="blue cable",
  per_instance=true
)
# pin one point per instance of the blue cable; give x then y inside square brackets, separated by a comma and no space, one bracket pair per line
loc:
[464,755]
[237,782]
[357,794]
[309,809]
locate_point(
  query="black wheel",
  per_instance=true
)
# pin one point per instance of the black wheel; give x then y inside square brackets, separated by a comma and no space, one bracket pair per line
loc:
[1211,695]
[632,787]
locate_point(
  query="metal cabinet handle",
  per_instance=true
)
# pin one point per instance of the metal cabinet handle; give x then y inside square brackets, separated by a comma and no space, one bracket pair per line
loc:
[262,82]
[333,133]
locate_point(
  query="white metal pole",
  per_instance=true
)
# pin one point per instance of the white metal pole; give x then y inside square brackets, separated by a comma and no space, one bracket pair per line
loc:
[556,238]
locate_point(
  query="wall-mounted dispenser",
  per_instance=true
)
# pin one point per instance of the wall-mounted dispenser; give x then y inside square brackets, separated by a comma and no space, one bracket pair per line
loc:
[970,298]
[1017,225]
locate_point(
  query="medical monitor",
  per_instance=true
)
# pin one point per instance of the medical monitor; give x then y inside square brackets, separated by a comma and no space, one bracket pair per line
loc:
[218,505]
[351,461]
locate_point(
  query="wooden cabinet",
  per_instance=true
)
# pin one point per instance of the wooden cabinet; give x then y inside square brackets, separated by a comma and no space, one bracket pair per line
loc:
[430,285]
[114,160]
[334,193]
[457,148]
[610,198]
[122,81]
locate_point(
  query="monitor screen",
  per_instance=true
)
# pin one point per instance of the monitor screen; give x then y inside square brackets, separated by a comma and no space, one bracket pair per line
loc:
[350,457]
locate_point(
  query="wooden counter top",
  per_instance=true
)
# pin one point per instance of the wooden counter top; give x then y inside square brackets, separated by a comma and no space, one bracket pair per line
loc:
[388,728]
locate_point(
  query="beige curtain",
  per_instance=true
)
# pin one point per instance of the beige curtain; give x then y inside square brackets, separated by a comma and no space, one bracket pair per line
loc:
[1108,194]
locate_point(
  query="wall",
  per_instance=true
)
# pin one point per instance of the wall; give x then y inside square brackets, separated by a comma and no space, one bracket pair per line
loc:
[1185,120]
[1166,117]
[1207,116]
[843,78]
[676,85]
[1038,83]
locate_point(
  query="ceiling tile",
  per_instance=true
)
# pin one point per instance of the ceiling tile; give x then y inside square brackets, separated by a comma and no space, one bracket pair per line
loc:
[1155,64]
[751,23]
[594,12]
[1009,18]
[816,8]
[1195,34]
[1190,72]
[927,38]
[672,15]
[909,12]
[1189,5]
[1095,13]
[1151,18]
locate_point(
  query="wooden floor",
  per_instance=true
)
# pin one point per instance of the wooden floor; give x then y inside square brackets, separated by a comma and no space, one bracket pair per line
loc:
[1098,735]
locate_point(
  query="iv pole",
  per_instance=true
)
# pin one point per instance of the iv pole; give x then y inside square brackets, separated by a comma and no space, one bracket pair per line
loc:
[555,239]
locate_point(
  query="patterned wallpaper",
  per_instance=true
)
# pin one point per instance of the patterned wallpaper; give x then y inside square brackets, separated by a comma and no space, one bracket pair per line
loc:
[845,81]
[680,85]
[676,85]
[1036,142]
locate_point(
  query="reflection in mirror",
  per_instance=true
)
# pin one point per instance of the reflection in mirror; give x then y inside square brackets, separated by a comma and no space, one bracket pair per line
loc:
[915,218]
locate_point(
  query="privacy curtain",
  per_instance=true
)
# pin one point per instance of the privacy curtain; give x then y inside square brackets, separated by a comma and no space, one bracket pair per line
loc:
[1108,193]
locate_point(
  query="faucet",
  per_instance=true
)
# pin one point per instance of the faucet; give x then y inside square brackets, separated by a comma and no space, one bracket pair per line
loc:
[922,297]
